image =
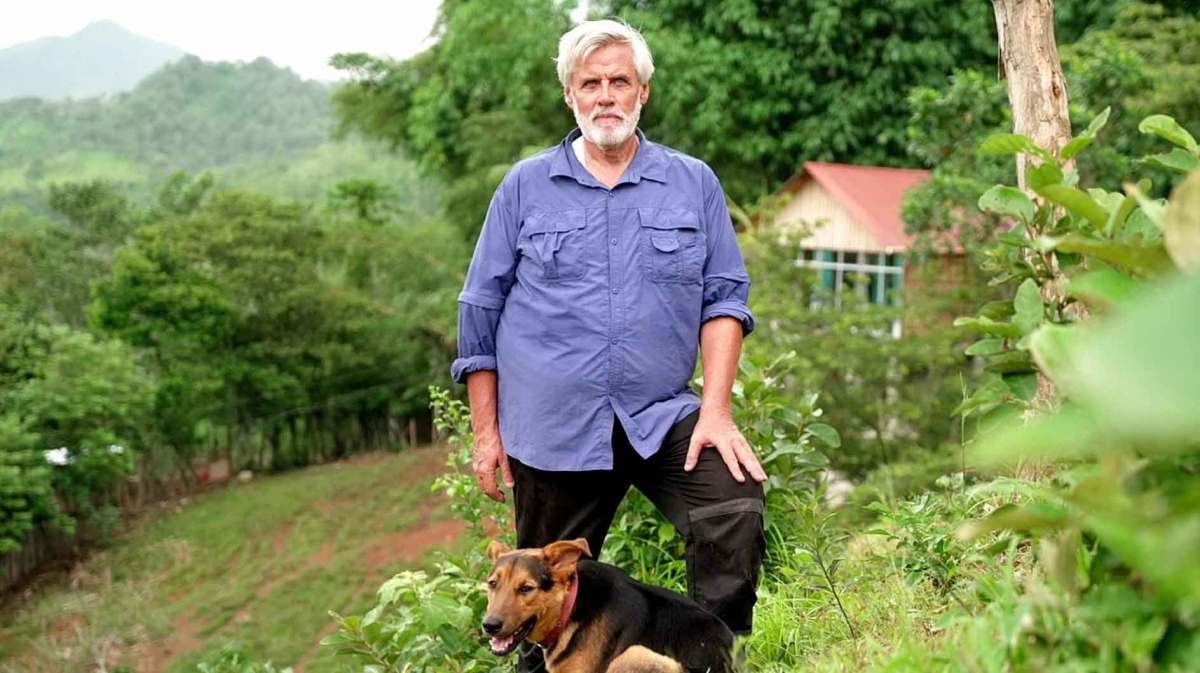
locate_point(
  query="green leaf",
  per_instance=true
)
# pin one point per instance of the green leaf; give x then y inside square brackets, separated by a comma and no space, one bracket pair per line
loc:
[1076,201]
[986,347]
[1069,433]
[1027,306]
[1074,147]
[1102,287]
[988,326]
[1116,220]
[1051,349]
[1022,385]
[1010,362]
[826,433]
[1012,143]
[996,310]
[1031,517]
[1140,371]
[1004,200]
[1147,260]
[1098,122]
[1167,128]
[1178,160]
[1153,209]
[988,395]
[1085,139]
[1181,226]
[1043,175]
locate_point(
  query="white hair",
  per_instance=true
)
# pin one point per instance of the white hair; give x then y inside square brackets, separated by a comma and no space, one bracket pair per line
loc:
[579,43]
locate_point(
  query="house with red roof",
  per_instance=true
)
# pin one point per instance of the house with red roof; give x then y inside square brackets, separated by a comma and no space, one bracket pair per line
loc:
[857,240]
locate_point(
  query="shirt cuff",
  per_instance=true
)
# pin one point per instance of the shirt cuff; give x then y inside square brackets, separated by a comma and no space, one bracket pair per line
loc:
[481,300]
[732,309]
[475,363]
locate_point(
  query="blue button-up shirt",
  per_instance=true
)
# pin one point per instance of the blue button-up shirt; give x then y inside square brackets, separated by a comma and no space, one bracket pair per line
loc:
[588,301]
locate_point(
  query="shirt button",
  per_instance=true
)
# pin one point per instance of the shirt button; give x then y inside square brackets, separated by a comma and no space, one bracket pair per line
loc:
[614,341]
[614,241]
[616,291]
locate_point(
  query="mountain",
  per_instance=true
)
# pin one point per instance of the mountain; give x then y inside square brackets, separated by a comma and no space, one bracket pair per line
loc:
[103,58]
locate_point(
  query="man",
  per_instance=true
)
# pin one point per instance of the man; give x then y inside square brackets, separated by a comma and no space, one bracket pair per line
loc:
[601,263]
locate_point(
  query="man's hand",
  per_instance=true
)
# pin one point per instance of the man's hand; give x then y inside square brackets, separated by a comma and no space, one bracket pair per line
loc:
[716,428]
[488,455]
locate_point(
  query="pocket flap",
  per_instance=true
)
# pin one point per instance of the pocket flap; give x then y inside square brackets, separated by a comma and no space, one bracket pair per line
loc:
[665,241]
[563,220]
[669,219]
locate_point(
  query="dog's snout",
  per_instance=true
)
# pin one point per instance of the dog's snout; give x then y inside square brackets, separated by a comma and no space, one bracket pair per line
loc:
[491,625]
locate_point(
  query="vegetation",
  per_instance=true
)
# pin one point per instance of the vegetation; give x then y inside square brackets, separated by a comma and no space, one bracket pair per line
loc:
[221,284]
[227,578]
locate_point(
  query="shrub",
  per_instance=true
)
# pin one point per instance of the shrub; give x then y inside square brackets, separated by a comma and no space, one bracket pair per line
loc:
[1117,529]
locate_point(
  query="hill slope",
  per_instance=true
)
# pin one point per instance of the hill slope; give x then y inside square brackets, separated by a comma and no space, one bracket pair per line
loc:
[103,58]
[254,125]
[252,565]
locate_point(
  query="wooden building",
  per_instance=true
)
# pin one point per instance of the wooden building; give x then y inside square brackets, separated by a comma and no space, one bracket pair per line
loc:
[857,240]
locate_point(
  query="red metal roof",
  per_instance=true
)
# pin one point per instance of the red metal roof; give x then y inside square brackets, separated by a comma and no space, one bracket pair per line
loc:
[872,194]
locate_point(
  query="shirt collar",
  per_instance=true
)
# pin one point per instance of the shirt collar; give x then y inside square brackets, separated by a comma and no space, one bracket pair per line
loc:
[649,163]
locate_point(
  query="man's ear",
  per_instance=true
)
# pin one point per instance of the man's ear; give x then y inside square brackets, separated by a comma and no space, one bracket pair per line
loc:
[644,94]
[567,95]
[563,556]
[496,548]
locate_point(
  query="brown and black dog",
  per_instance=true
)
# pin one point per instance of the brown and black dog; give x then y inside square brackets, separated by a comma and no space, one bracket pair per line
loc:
[591,617]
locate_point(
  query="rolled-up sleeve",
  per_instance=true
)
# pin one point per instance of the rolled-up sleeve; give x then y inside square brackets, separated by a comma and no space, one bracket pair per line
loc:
[489,279]
[726,283]
[476,340]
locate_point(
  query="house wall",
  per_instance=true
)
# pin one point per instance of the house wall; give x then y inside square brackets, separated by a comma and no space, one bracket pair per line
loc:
[837,230]
[935,285]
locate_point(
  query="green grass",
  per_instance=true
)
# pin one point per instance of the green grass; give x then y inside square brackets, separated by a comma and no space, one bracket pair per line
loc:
[255,565]
[799,629]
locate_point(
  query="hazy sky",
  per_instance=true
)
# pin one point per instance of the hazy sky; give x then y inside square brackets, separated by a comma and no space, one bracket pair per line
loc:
[299,35]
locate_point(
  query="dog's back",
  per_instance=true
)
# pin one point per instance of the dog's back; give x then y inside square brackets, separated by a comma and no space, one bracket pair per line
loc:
[624,614]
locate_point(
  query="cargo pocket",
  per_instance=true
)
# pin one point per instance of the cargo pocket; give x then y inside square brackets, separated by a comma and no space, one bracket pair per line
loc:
[725,552]
[556,241]
[671,245]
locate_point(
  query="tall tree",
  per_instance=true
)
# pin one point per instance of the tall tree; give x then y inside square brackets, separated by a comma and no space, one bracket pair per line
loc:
[1038,94]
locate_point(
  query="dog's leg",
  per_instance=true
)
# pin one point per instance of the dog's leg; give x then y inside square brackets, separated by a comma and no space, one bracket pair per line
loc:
[638,659]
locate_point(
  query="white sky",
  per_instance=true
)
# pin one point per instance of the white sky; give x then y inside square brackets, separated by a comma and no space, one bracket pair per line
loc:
[299,35]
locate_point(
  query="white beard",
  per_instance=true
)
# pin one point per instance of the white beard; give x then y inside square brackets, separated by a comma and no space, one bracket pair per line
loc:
[608,136]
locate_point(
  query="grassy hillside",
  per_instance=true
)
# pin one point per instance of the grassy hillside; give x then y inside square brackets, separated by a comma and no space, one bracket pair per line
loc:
[254,565]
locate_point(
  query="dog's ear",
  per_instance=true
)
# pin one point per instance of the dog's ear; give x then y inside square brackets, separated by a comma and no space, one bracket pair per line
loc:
[564,555]
[496,548]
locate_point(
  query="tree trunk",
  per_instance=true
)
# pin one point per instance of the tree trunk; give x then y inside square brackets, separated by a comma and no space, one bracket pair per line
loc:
[1038,95]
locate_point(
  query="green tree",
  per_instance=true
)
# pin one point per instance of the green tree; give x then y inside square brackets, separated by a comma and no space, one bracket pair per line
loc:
[471,104]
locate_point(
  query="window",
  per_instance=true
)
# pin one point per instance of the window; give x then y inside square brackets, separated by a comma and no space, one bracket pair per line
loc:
[875,277]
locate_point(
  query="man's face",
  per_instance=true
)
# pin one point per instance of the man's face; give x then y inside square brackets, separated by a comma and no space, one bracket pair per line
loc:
[606,96]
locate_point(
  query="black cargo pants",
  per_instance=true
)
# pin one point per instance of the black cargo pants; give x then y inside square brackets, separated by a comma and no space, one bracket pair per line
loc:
[720,519]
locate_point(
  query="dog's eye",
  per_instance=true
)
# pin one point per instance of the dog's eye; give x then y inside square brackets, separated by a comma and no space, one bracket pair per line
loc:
[525,589]
[491,584]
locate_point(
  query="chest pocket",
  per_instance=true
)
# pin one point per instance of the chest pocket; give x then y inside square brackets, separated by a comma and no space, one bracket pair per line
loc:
[671,245]
[556,242]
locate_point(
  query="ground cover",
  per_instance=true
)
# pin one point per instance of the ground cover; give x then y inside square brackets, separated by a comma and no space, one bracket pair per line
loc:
[256,566]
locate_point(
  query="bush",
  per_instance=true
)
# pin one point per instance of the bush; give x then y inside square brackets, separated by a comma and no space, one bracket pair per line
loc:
[1095,380]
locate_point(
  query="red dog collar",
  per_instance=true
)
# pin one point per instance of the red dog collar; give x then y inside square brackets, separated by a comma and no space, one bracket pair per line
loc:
[551,638]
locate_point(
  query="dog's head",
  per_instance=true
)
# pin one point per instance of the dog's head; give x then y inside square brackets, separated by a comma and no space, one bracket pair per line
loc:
[527,589]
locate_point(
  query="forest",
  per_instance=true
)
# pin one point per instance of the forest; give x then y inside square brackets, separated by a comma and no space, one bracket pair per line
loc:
[232,266]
